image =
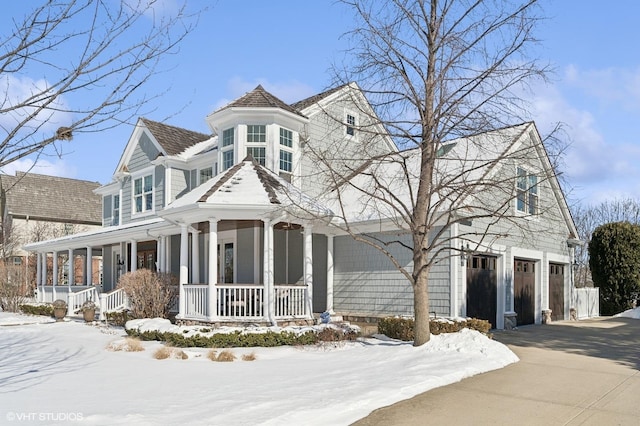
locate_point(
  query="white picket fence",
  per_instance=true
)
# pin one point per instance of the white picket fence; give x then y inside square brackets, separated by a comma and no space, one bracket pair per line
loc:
[587,302]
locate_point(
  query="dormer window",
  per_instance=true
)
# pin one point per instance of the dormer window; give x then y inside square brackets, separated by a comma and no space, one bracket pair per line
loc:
[227,137]
[205,174]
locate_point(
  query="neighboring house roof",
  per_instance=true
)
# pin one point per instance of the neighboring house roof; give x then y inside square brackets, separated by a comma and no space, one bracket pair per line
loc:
[174,140]
[304,103]
[248,185]
[260,98]
[52,198]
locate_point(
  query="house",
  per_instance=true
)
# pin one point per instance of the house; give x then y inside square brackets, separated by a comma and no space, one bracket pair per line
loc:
[32,211]
[251,219]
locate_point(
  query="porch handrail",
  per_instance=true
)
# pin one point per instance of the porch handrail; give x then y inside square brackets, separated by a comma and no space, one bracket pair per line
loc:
[240,301]
[77,299]
[196,298]
[113,301]
[290,301]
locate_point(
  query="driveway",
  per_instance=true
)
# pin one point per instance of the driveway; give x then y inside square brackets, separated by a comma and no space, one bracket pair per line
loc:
[570,373]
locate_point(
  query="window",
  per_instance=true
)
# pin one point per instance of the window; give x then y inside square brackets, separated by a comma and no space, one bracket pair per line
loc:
[351,125]
[227,159]
[115,215]
[17,260]
[205,174]
[143,194]
[286,161]
[286,137]
[527,192]
[258,153]
[227,137]
[256,133]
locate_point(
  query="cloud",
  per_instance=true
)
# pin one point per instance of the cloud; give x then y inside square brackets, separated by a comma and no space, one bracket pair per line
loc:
[598,166]
[619,86]
[44,167]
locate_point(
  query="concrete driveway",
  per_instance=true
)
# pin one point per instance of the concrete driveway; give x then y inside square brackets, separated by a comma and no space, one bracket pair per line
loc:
[570,373]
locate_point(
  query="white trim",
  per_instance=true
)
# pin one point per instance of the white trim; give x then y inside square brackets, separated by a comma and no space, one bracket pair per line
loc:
[141,174]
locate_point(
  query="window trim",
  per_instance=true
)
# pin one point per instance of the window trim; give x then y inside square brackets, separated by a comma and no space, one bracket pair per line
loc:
[350,127]
[527,187]
[142,174]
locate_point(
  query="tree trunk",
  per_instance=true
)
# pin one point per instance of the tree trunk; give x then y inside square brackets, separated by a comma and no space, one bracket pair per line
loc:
[421,308]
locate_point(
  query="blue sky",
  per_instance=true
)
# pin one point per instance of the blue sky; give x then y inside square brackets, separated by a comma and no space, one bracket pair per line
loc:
[288,46]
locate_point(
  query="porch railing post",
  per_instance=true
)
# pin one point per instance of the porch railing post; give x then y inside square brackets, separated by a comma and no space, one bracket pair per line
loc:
[212,278]
[184,268]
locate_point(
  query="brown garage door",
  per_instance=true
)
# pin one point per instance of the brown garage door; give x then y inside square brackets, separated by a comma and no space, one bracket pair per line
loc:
[556,291]
[524,279]
[482,284]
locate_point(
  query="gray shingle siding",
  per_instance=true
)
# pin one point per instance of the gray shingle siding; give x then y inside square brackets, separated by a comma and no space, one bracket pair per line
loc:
[366,282]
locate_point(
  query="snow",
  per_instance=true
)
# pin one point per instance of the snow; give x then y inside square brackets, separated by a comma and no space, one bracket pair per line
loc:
[63,373]
[630,313]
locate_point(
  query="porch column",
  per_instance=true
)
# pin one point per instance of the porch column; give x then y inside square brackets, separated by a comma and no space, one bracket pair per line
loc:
[195,258]
[330,274]
[39,283]
[308,267]
[267,271]
[89,265]
[134,256]
[161,255]
[54,278]
[213,270]
[70,277]
[184,267]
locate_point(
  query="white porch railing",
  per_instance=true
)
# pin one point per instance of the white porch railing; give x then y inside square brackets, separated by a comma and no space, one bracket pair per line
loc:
[196,301]
[76,299]
[240,301]
[290,301]
[113,301]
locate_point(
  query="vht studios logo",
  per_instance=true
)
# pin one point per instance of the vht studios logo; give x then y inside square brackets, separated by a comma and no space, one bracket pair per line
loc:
[44,417]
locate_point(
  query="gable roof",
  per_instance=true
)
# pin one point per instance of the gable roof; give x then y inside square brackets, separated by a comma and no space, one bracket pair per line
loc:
[304,103]
[172,139]
[52,198]
[260,98]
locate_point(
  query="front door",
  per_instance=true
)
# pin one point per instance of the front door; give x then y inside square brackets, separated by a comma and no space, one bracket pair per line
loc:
[524,279]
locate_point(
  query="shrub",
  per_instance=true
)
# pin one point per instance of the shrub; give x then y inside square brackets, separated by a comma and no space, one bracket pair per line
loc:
[149,293]
[402,328]
[129,344]
[13,291]
[330,334]
[614,259]
[40,309]
[163,353]
[226,356]
[249,357]
[119,318]
[212,355]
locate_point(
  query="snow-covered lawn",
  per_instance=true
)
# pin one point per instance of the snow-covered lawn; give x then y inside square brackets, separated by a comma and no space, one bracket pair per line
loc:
[62,373]
[630,313]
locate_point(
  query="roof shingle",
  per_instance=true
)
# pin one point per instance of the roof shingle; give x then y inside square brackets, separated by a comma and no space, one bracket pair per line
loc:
[173,140]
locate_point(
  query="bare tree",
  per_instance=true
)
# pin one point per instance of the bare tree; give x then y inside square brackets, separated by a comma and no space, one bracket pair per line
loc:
[79,66]
[434,71]
[588,218]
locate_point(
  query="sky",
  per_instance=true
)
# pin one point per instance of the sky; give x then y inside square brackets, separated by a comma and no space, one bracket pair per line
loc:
[50,369]
[289,45]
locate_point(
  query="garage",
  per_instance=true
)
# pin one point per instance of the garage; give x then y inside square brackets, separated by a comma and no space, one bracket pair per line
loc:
[482,288]
[524,288]
[556,291]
